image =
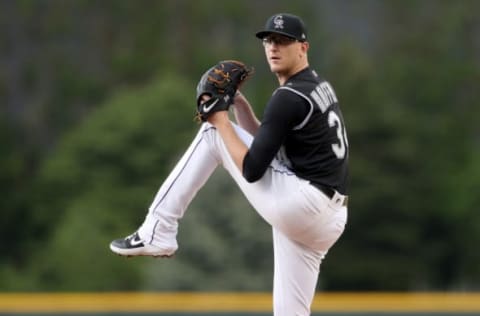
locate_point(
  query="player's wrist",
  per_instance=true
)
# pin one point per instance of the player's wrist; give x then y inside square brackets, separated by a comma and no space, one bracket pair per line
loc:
[219,118]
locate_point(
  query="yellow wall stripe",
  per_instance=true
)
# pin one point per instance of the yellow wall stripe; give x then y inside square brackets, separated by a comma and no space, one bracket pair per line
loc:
[233,302]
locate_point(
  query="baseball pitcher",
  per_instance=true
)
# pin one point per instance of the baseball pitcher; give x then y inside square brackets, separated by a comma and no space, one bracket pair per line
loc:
[291,165]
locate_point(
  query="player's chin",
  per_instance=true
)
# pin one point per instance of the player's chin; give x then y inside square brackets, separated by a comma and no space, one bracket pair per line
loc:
[275,67]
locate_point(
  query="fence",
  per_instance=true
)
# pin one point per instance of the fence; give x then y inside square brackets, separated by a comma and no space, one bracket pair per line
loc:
[234,304]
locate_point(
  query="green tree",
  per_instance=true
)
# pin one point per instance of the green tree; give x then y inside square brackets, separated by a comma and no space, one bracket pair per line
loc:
[98,185]
[103,171]
[87,134]
[411,111]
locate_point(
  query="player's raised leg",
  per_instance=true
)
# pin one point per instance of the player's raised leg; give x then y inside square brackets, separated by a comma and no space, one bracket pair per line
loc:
[157,234]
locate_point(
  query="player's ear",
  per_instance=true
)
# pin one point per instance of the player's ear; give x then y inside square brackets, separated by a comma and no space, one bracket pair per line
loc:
[303,49]
[305,46]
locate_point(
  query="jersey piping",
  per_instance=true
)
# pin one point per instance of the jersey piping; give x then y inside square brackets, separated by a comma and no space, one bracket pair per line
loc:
[305,121]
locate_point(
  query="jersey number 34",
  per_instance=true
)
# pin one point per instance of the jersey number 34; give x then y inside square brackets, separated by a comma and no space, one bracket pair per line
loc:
[340,148]
[324,96]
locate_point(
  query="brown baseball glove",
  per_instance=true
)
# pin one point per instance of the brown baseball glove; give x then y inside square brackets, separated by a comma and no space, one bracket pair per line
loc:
[220,82]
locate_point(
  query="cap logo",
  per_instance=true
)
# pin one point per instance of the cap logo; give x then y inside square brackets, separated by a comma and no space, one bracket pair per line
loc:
[278,22]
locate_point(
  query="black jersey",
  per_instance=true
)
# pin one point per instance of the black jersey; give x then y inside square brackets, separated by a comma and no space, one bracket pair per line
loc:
[303,126]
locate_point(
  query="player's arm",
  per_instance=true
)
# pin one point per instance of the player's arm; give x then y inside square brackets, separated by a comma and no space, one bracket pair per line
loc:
[244,114]
[235,146]
[284,111]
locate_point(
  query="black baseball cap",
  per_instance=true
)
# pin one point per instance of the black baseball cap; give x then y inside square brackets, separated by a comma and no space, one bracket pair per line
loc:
[284,24]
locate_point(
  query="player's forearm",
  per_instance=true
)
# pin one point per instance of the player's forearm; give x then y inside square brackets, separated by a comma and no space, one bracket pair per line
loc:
[235,146]
[244,114]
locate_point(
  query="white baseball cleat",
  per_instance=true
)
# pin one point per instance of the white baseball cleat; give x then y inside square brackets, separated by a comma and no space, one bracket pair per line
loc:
[133,245]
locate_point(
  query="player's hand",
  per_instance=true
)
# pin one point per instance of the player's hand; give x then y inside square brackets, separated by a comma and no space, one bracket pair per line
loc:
[240,100]
[216,117]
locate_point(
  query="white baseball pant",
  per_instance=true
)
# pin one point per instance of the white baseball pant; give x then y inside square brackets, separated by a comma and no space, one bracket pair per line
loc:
[305,222]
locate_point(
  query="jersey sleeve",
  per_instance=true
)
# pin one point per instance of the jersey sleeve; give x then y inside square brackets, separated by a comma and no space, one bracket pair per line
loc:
[284,111]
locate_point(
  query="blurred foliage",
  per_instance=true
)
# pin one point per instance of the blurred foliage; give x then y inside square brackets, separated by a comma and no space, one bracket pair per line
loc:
[97,106]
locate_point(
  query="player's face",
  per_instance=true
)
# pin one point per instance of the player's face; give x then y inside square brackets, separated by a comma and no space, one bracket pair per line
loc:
[285,55]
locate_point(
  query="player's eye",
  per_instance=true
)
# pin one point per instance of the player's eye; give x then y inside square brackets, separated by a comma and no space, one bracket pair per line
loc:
[278,40]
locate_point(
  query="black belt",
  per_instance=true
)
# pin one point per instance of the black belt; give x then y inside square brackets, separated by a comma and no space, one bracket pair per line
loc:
[329,192]
[326,190]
